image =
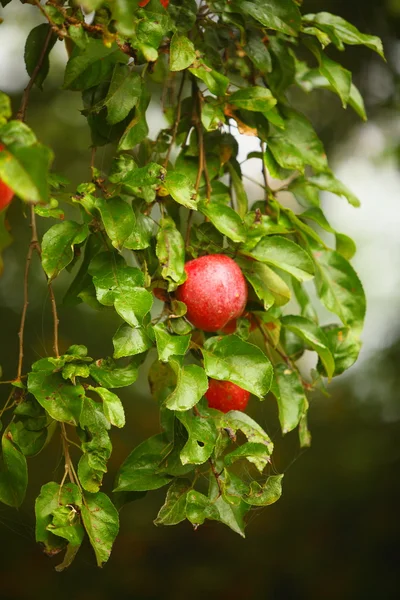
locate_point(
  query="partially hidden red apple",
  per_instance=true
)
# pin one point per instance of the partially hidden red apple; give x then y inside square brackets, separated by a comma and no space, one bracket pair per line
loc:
[6,193]
[215,291]
[226,396]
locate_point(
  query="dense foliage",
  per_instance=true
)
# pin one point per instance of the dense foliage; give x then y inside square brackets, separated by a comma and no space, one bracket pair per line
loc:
[220,67]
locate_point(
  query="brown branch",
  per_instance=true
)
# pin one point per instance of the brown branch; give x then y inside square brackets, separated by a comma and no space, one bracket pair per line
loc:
[27,90]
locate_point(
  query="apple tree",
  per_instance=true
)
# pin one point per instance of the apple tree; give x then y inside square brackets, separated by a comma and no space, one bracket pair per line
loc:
[221,68]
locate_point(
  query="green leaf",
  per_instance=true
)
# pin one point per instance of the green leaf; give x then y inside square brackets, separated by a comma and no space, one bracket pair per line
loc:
[123,94]
[230,514]
[264,495]
[33,52]
[51,497]
[280,15]
[236,420]
[118,218]
[339,288]
[240,192]
[313,336]
[286,255]
[25,168]
[254,452]
[344,345]
[212,115]
[169,345]
[58,246]
[298,145]
[113,278]
[109,375]
[289,392]
[225,219]
[173,510]
[191,385]
[329,183]
[150,175]
[268,286]
[258,99]
[216,82]
[61,399]
[101,521]
[199,508]
[182,52]
[229,358]
[82,279]
[129,341]
[112,406]
[140,470]
[202,438]
[183,14]
[344,244]
[338,77]
[13,472]
[66,524]
[138,129]
[181,189]
[89,66]
[304,433]
[134,305]
[258,53]
[170,252]
[340,31]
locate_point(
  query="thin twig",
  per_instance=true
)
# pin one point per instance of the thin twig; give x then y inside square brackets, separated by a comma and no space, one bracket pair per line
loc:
[27,90]
[265,175]
[216,475]
[68,463]
[24,308]
[177,120]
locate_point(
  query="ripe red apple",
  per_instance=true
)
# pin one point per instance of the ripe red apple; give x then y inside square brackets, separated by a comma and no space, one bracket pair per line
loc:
[226,396]
[6,193]
[215,291]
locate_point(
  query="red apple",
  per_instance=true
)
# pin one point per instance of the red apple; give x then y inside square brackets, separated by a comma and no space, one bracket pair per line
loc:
[215,291]
[226,396]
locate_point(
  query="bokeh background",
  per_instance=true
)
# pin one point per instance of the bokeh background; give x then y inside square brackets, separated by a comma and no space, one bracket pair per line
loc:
[335,533]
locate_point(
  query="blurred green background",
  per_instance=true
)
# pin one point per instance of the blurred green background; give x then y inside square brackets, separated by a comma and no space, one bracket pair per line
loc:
[335,533]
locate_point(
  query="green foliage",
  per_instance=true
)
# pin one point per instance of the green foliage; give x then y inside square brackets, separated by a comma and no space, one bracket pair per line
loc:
[136,224]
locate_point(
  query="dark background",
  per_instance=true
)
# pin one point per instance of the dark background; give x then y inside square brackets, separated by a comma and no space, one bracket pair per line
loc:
[335,532]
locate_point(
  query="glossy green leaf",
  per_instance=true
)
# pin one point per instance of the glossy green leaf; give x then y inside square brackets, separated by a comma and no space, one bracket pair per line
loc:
[342,32]
[264,495]
[173,510]
[298,145]
[255,98]
[66,524]
[225,219]
[112,406]
[134,305]
[51,497]
[101,521]
[286,255]
[240,192]
[140,470]
[118,219]
[329,183]
[289,392]
[229,358]
[170,252]
[340,288]
[258,53]
[113,278]
[109,375]
[182,53]
[344,345]
[33,50]
[123,93]
[181,189]
[344,244]
[313,336]
[236,420]
[199,508]
[13,472]
[216,82]
[89,66]
[338,77]
[268,286]
[61,399]
[138,129]
[254,452]
[280,15]
[129,341]
[169,345]
[212,115]
[58,245]
[202,437]
[191,385]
